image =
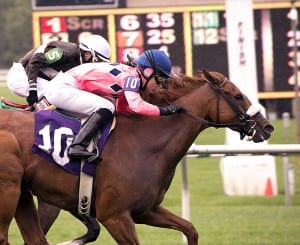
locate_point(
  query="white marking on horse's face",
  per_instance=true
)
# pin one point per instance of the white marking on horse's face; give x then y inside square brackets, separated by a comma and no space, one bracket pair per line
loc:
[254,109]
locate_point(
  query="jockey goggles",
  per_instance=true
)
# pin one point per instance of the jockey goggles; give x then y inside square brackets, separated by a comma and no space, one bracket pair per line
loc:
[160,78]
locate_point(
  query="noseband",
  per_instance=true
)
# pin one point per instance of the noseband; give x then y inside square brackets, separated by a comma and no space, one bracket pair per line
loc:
[246,124]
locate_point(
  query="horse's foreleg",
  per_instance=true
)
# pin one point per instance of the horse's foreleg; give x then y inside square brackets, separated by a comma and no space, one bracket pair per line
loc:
[28,222]
[92,234]
[161,217]
[48,214]
[122,229]
[93,229]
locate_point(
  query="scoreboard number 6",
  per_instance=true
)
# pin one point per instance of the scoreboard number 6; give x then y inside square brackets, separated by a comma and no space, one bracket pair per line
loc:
[129,22]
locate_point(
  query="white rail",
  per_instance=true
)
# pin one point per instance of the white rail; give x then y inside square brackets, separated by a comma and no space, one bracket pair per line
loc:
[219,150]
[223,150]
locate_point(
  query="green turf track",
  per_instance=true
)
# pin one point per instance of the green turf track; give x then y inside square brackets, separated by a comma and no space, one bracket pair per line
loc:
[219,219]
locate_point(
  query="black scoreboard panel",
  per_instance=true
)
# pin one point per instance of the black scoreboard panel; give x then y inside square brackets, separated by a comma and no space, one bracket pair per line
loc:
[282,49]
[128,33]
[194,37]
[210,47]
[282,67]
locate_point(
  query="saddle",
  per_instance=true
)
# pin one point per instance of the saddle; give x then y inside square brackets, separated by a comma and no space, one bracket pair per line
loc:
[8,104]
[42,104]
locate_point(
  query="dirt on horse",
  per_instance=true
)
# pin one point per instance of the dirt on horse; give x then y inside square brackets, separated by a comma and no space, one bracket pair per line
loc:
[138,161]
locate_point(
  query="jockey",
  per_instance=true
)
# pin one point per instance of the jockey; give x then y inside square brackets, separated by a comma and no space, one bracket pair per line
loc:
[95,89]
[30,77]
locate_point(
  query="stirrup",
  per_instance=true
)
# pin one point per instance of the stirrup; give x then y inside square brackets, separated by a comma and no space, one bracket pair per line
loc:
[82,153]
[79,152]
[93,158]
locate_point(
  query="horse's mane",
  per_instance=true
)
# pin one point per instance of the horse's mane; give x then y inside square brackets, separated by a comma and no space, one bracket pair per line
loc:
[181,84]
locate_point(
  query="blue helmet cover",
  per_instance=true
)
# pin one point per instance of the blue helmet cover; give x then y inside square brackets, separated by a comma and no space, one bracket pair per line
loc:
[157,60]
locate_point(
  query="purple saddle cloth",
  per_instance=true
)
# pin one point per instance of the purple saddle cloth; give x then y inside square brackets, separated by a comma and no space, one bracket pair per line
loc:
[54,133]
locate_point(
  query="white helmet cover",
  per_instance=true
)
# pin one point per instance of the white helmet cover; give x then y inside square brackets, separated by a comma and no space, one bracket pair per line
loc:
[97,46]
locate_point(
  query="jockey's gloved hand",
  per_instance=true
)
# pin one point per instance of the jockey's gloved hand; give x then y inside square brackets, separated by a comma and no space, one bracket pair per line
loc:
[171,109]
[32,97]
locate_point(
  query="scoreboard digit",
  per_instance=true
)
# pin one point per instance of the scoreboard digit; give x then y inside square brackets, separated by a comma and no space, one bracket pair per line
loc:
[71,28]
[129,36]
[164,31]
[53,29]
[209,40]
[138,32]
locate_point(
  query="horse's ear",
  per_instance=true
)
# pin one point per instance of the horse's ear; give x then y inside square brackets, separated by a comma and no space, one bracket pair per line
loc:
[207,75]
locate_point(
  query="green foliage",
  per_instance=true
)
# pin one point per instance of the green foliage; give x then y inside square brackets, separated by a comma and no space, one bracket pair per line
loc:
[219,219]
[15,31]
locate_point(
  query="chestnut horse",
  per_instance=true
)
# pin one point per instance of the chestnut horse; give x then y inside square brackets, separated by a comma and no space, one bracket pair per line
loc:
[137,168]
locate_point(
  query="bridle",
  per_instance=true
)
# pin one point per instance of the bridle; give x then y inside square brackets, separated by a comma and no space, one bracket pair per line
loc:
[246,125]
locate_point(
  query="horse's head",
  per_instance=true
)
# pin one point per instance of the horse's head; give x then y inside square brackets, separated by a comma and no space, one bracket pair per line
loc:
[227,106]
[219,100]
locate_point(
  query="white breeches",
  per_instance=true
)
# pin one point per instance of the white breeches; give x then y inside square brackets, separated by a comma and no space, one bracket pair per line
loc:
[63,93]
[17,82]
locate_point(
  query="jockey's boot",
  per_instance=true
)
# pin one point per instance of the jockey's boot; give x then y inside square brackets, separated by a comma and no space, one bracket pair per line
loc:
[87,132]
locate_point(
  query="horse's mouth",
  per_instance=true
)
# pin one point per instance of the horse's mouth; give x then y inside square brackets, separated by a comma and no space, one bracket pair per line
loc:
[262,133]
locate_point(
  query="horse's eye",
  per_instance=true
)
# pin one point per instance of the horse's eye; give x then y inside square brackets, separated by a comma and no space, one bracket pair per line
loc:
[238,97]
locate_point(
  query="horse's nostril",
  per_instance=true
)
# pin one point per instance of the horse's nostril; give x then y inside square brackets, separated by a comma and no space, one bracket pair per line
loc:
[269,128]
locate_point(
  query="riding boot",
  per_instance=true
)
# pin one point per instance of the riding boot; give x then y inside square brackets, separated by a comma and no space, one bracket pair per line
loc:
[87,132]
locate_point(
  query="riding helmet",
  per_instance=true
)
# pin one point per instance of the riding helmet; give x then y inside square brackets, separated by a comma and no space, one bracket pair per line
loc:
[157,60]
[97,46]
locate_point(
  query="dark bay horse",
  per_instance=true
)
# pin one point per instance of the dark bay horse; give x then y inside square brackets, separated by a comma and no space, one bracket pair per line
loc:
[139,162]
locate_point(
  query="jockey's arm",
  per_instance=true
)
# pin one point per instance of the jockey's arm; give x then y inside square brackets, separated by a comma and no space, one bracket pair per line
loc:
[135,102]
[26,58]
[36,63]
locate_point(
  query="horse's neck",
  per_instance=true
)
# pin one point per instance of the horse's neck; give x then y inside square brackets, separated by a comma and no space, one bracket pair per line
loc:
[166,138]
[182,129]
[177,132]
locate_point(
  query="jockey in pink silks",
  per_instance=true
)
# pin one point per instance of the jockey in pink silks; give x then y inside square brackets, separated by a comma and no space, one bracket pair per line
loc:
[98,89]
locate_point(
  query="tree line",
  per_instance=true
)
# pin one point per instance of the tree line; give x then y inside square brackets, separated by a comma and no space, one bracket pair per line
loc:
[15,31]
